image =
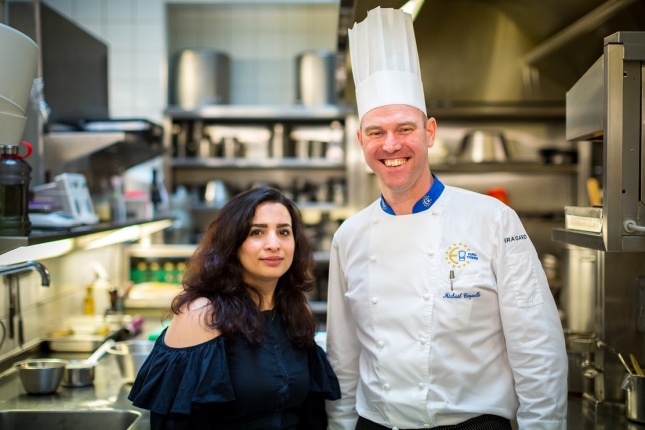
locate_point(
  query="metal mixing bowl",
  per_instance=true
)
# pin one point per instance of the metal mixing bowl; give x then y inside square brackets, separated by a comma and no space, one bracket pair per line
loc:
[41,376]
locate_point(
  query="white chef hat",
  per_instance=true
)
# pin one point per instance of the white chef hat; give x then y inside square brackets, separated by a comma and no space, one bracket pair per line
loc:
[385,62]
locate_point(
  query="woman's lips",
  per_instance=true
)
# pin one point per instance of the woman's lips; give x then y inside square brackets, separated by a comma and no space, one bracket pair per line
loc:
[272,261]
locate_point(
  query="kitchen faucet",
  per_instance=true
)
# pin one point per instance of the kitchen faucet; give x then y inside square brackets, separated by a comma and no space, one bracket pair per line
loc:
[27,265]
[14,296]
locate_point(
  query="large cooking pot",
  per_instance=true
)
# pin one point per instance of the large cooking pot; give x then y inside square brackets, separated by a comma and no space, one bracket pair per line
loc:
[201,77]
[315,82]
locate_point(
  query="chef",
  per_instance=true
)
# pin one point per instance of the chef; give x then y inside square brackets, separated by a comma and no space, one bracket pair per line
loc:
[439,312]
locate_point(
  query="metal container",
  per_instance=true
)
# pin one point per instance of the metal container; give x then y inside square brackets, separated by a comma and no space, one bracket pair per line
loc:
[315,80]
[578,295]
[481,146]
[130,356]
[201,77]
[41,376]
[634,385]
[80,373]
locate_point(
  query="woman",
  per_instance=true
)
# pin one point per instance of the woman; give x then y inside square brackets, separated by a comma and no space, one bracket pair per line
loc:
[239,352]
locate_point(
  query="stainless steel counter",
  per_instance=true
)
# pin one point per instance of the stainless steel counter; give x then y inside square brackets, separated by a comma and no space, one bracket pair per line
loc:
[107,392]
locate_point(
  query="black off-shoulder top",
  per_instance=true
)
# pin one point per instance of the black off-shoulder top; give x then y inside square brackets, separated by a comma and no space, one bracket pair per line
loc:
[230,385]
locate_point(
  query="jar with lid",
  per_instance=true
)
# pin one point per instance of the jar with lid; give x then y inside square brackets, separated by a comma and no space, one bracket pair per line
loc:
[15,174]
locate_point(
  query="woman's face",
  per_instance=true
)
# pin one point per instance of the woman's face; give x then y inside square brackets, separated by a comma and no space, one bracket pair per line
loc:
[267,252]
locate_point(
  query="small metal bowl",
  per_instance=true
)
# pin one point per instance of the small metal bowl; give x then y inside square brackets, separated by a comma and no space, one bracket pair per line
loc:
[41,376]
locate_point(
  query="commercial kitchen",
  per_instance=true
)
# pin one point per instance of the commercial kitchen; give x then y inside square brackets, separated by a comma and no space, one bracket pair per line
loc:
[146,116]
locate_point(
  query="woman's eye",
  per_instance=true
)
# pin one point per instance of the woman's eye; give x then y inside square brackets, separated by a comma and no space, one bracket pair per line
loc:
[285,232]
[255,232]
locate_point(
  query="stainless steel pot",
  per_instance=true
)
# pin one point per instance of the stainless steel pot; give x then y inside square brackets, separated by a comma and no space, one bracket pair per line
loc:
[201,77]
[315,82]
[80,373]
[634,385]
[130,356]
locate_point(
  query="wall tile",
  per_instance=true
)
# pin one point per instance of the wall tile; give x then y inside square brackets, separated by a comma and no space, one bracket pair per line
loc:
[86,10]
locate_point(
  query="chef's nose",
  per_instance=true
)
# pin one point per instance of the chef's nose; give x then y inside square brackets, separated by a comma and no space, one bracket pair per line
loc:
[391,144]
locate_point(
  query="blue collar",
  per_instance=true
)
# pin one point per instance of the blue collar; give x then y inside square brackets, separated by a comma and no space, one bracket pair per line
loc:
[424,203]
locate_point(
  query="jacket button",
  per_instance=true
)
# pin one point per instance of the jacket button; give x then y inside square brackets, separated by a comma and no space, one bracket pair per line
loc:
[426,297]
[374,300]
[386,387]
[380,344]
[373,258]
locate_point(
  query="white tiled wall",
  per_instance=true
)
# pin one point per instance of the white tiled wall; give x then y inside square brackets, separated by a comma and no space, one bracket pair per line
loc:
[262,39]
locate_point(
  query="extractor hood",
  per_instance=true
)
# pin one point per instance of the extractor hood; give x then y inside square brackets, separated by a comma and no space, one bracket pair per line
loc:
[501,57]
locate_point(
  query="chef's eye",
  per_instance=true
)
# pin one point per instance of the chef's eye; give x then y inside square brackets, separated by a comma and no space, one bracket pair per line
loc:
[375,133]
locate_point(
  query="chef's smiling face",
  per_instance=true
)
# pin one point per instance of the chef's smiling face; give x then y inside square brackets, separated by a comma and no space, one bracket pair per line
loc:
[267,252]
[395,141]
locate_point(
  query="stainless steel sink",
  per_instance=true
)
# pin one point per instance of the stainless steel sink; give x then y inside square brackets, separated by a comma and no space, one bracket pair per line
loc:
[112,419]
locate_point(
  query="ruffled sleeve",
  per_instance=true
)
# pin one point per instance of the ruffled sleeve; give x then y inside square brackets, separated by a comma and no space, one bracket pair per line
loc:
[322,378]
[323,384]
[172,379]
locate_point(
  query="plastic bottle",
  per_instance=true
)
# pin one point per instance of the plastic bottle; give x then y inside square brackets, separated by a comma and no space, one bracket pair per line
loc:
[15,175]
[88,301]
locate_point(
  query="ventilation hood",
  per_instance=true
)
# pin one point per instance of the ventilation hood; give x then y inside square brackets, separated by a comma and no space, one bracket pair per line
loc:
[501,58]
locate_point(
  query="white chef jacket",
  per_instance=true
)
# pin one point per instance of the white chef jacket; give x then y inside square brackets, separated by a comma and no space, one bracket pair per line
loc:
[413,351]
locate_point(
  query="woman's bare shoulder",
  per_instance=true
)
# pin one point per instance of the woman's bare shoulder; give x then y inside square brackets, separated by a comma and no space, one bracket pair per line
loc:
[189,328]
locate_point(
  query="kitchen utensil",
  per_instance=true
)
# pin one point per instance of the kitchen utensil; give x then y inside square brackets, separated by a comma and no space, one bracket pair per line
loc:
[636,365]
[41,376]
[201,78]
[80,373]
[130,356]
[479,146]
[622,360]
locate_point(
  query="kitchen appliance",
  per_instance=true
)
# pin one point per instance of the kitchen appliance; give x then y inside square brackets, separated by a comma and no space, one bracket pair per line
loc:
[315,79]
[201,77]
[605,109]
[67,200]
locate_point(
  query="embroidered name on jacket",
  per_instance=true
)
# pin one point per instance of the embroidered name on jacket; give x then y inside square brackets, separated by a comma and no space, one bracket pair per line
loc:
[469,296]
[515,238]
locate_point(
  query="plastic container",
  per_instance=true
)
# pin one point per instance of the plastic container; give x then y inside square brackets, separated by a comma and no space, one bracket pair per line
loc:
[15,174]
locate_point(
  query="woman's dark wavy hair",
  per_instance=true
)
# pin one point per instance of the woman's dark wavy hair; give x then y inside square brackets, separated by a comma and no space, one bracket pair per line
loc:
[214,271]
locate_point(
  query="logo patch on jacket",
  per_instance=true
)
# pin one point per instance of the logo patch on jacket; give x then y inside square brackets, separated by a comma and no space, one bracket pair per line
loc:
[459,255]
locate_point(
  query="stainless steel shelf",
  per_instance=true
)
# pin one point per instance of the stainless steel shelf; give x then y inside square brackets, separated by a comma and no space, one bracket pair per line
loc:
[243,163]
[506,167]
[578,238]
[259,112]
